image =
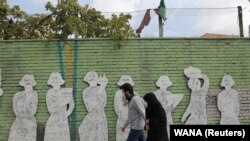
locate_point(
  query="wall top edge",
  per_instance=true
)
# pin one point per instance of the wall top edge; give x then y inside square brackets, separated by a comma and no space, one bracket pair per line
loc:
[107,39]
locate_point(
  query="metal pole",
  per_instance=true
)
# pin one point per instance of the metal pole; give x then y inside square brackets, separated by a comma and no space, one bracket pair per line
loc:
[160,27]
[240,21]
[249,30]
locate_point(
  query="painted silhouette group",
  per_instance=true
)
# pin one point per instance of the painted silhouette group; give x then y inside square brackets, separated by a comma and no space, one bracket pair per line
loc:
[94,126]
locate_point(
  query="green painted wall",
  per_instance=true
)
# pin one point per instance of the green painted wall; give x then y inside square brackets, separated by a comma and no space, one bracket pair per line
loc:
[143,59]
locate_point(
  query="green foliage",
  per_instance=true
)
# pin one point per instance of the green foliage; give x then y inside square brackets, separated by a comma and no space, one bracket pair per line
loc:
[11,19]
[119,27]
[66,19]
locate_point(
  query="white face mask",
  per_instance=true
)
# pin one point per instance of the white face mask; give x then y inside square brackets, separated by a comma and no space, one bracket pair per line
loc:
[145,103]
[124,100]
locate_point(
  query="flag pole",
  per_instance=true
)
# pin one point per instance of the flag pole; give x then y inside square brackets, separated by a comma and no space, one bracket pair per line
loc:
[162,16]
[160,27]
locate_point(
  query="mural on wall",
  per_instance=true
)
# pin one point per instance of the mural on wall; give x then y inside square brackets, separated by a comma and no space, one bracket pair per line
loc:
[25,105]
[168,100]
[121,109]
[60,105]
[94,127]
[228,102]
[196,110]
[1,90]
[144,60]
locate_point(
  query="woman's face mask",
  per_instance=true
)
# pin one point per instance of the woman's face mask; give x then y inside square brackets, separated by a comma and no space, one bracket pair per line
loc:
[145,103]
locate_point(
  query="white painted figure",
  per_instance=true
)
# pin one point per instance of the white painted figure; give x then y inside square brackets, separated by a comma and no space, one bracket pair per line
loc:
[196,110]
[228,102]
[1,90]
[60,105]
[25,105]
[121,109]
[94,127]
[168,100]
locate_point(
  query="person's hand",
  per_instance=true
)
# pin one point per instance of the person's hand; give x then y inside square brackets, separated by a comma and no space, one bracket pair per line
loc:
[123,129]
[147,124]
[147,127]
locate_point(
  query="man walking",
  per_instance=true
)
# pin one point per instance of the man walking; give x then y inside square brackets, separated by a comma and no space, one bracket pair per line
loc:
[136,114]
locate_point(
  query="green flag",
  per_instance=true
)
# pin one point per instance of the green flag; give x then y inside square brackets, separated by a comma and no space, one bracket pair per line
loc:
[162,11]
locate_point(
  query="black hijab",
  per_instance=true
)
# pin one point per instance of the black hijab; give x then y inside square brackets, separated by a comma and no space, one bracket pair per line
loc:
[152,102]
[157,119]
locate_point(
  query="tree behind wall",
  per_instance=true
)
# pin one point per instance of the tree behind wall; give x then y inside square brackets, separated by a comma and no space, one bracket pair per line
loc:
[66,18]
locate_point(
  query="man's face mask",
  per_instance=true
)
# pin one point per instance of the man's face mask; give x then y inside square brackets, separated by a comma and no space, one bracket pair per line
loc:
[124,99]
[125,95]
